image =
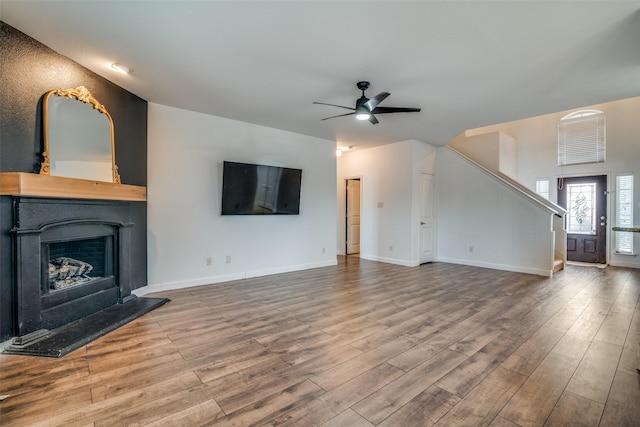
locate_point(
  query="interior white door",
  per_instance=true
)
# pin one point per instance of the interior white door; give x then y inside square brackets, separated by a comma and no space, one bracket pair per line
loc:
[353,216]
[426,218]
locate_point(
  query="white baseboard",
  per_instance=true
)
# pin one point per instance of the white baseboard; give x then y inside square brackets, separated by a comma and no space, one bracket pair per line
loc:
[182,284]
[290,268]
[618,263]
[505,267]
[168,286]
[390,260]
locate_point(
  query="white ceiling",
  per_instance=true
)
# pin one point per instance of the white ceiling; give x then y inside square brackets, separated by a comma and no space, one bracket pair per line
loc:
[465,63]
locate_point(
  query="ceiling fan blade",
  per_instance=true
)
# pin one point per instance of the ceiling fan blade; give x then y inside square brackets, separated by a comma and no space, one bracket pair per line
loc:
[340,115]
[333,105]
[387,110]
[372,119]
[373,102]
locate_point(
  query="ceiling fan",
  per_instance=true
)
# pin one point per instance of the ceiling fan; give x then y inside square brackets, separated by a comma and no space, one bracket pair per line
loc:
[366,108]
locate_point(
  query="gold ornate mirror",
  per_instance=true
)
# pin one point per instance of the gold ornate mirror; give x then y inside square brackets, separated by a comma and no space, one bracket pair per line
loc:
[78,136]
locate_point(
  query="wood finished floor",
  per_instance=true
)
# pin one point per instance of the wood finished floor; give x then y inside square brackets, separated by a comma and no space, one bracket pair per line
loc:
[359,344]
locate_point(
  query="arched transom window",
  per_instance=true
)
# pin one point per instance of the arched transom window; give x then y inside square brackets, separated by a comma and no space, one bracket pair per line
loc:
[582,138]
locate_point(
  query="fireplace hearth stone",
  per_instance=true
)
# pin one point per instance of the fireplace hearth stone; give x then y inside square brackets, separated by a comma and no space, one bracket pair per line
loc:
[67,338]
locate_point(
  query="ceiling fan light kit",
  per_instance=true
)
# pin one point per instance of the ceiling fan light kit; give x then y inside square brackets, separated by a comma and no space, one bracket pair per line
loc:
[366,108]
[363,115]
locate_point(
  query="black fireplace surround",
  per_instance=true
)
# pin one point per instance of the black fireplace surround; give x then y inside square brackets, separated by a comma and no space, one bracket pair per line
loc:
[42,223]
[55,316]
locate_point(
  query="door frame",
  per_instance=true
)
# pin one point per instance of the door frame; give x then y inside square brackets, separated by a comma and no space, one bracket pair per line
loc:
[607,209]
[345,212]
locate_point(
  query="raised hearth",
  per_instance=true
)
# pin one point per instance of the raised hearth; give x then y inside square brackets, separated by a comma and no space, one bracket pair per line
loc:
[69,337]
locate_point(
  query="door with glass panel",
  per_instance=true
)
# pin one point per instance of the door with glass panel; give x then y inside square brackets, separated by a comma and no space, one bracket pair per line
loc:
[585,199]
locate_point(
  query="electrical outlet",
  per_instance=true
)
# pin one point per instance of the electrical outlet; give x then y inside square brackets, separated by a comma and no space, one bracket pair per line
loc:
[228,259]
[209,260]
[390,247]
[470,248]
[324,250]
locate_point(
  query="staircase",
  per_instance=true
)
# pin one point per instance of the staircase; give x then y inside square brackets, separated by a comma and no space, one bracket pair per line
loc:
[560,253]
[541,246]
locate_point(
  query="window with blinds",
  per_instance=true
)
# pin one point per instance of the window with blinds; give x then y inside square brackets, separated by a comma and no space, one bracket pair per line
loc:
[542,187]
[624,212]
[582,138]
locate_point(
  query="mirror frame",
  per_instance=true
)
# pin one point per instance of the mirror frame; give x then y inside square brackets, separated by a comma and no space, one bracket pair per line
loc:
[81,94]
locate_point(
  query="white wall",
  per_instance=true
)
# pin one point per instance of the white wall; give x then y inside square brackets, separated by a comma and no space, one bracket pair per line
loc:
[185,155]
[389,213]
[485,223]
[508,156]
[537,141]
[495,150]
[483,148]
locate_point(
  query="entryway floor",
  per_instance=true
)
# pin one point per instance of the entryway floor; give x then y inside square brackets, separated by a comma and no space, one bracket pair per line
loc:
[587,264]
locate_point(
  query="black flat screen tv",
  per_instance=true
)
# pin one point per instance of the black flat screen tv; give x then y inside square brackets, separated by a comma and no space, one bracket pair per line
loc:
[249,189]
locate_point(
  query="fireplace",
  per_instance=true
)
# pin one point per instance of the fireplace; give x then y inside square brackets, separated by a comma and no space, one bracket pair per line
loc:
[76,256]
[72,260]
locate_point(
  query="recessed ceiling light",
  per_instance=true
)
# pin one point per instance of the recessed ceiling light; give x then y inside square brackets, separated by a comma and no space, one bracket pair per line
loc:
[120,68]
[340,150]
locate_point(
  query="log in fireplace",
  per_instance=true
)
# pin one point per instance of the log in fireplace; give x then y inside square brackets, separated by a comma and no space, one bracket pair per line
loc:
[72,263]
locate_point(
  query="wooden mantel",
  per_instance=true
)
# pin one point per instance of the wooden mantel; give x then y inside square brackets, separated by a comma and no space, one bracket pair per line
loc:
[35,185]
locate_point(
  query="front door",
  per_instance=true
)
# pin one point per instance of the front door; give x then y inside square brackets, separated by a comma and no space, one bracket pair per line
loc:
[353,216]
[585,200]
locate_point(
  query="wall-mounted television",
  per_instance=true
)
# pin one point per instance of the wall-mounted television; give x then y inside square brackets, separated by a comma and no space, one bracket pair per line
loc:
[249,189]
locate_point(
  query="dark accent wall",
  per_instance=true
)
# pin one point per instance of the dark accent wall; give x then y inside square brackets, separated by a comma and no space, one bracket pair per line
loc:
[28,69]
